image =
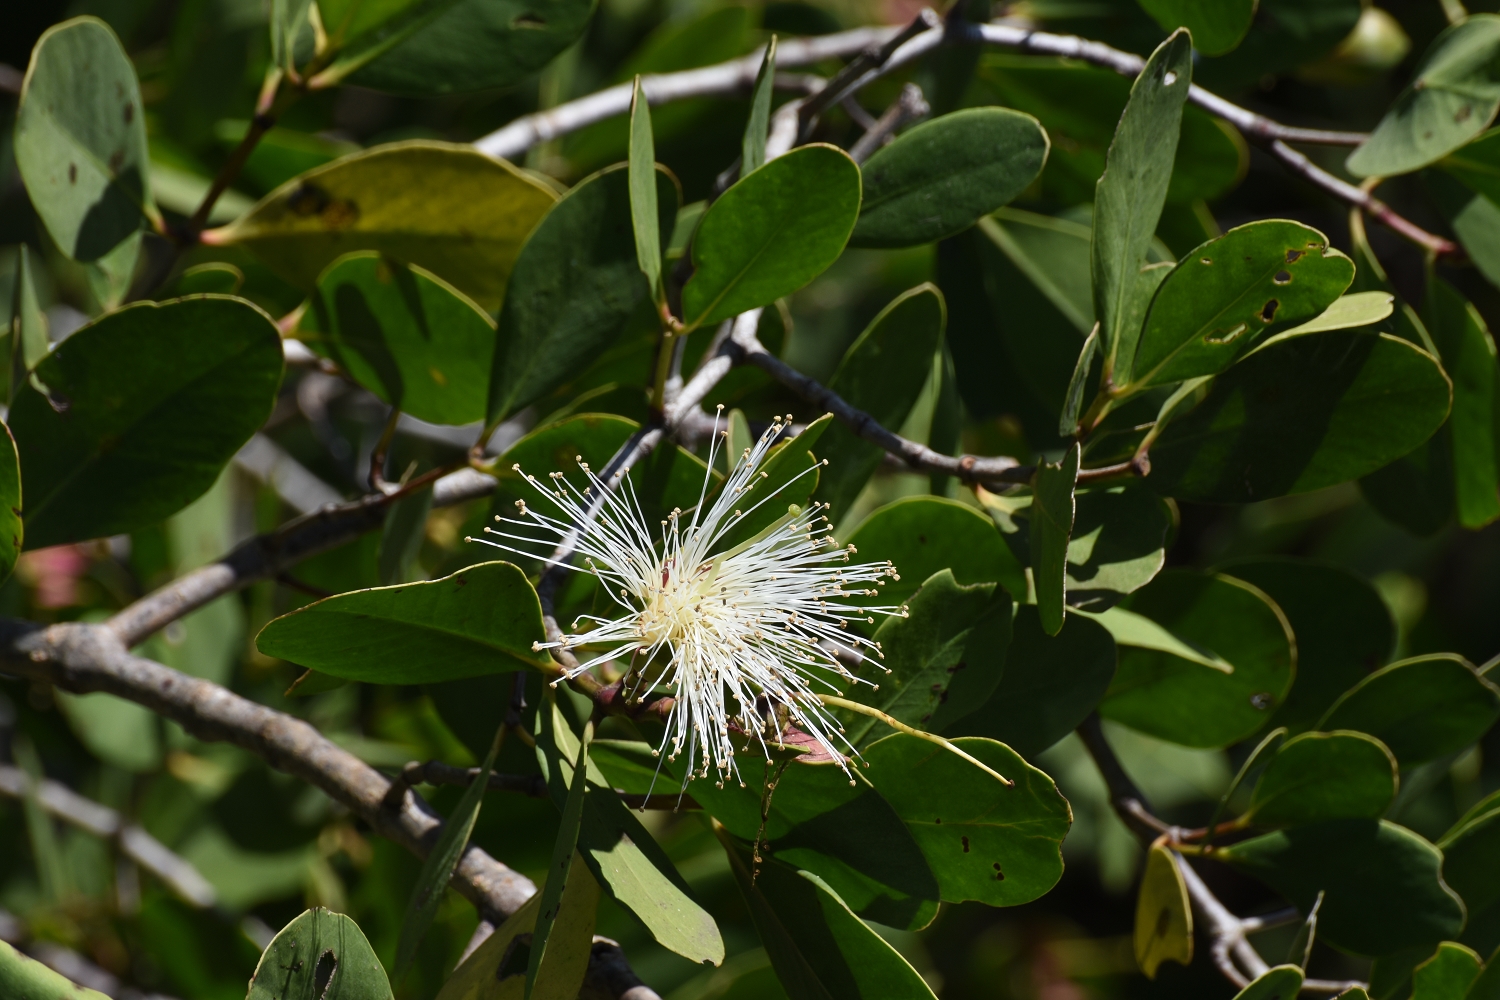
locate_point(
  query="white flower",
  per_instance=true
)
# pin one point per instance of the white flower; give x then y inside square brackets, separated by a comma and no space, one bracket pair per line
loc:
[745,637]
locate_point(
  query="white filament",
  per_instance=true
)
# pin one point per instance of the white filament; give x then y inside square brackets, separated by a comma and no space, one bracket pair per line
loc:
[742,636]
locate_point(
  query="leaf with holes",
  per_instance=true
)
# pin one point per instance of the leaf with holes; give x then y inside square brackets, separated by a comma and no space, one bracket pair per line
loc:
[319,956]
[1232,293]
[1163,919]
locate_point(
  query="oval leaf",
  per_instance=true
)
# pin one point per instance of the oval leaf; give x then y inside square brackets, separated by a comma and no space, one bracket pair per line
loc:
[81,139]
[771,233]
[319,956]
[1300,415]
[1163,919]
[1422,708]
[1230,294]
[405,334]
[445,207]
[480,620]
[936,179]
[1321,776]
[146,406]
[922,535]
[1217,27]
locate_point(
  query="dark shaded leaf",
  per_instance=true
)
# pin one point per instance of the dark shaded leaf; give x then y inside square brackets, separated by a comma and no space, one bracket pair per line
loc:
[1323,776]
[1422,708]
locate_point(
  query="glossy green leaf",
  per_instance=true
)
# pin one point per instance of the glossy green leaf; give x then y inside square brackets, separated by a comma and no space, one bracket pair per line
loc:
[753,147]
[1163,918]
[321,955]
[1408,905]
[576,284]
[1128,628]
[1422,708]
[845,833]
[147,405]
[644,210]
[1452,99]
[1349,311]
[883,372]
[1078,385]
[1281,982]
[667,478]
[12,527]
[1080,105]
[1188,703]
[1300,415]
[742,254]
[442,206]
[1322,776]
[80,140]
[1343,629]
[984,840]
[1467,353]
[461,45]
[28,323]
[24,978]
[949,645]
[1050,684]
[1117,545]
[480,620]
[819,948]
[922,535]
[938,178]
[1471,865]
[1133,188]
[1233,292]
[1052,513]
[546,961]
[405,334]
[1217,25]
[438,866]
[1447,975]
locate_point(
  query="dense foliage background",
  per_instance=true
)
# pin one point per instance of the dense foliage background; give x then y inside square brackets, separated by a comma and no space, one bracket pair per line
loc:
[1322,509]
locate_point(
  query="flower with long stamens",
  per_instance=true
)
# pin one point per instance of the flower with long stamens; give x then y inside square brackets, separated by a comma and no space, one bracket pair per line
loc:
[745,635]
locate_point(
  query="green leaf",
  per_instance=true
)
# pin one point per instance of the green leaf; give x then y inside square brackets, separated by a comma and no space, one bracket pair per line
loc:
[753,146]
[1408,905]
[121,733]
[576,284]
[819,948]
[1231,293]
[644,211]
[478,977]
[288,20]
[1284,35]
[215,277]
[883,373]
[24,978]
[28,324]
[11,523]
[454,46]
[1447,975]
[401,537]
[1452,99]
[1185,702]
[1471,865]
[1467,353]
[984,840]
[950,632]
[1281,982]
[146,406]
[742,255]
[319,956]
[80,140]
[669,477]
[1343,629]
[545,965]
[1300,415]
[1117,546]
[480,620]
[1052,516]
[1347,312]
[924,534]
[1217,27]
[1474,218]
[445,207]
[1163,919]
[843,831]
[1422,708]
[938,178]
[437,868]
[1067,424]
[1487,986]
[1322,776]
[1050,684]
[1132,190]
[631,866]
[405,334]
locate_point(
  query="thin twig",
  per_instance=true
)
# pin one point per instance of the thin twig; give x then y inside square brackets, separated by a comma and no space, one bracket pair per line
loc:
[907,108]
